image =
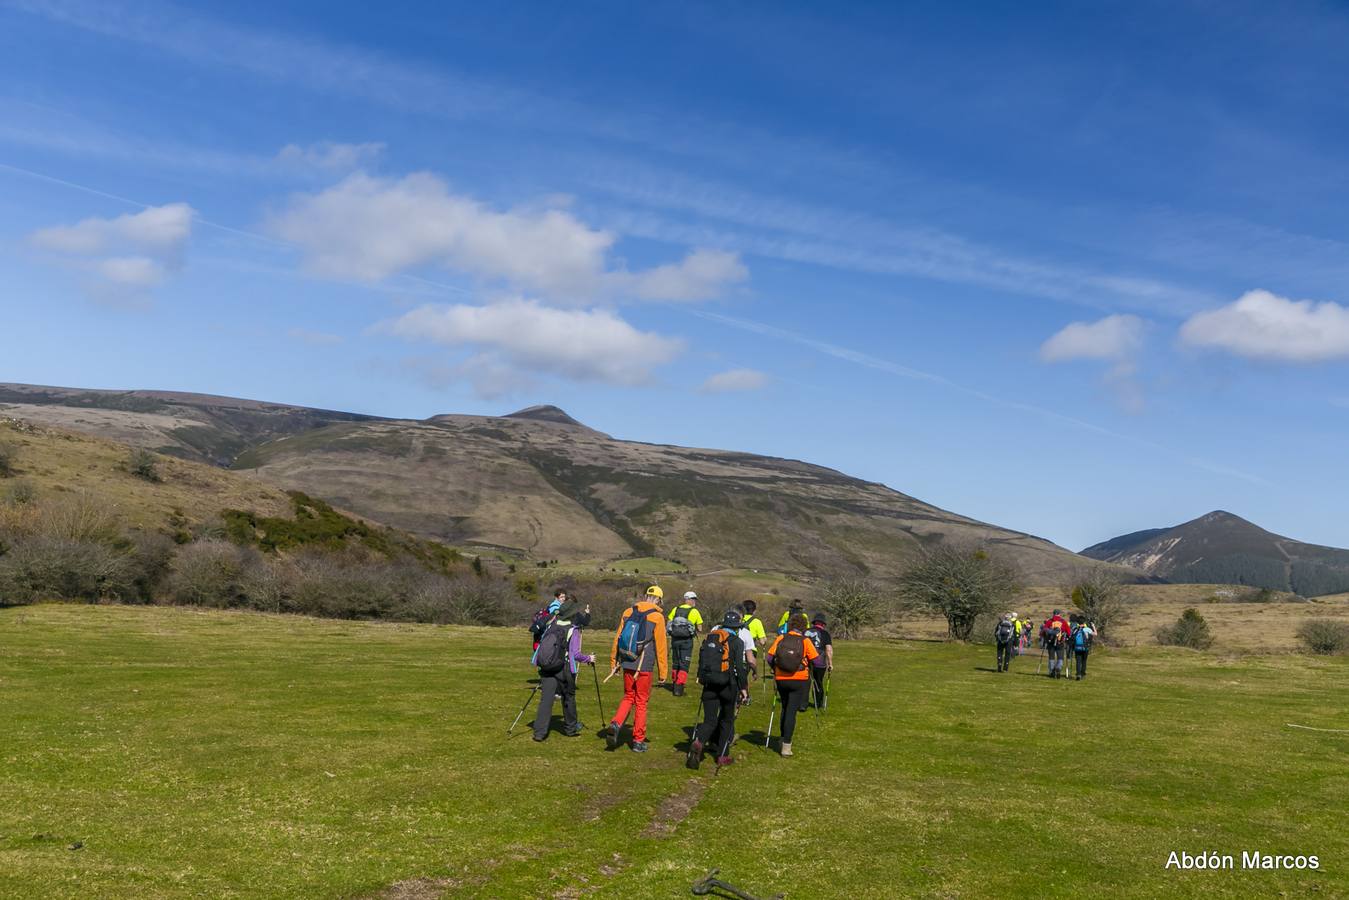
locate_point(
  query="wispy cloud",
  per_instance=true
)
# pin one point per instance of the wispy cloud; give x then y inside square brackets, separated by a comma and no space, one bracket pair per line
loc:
[330,156]
[883,365]
[315,338]
[123,256]
[734,381]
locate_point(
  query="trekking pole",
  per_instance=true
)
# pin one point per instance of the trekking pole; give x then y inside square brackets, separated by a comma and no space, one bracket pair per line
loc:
[1042,659]
[522,709]
[598,699]
[612,673]
[771,713]
[828,677]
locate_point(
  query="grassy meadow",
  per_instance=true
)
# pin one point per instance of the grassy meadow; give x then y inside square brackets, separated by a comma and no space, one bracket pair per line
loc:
[164,752]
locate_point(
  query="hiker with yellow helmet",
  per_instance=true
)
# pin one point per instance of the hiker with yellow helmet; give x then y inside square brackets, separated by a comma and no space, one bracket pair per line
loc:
[639,649]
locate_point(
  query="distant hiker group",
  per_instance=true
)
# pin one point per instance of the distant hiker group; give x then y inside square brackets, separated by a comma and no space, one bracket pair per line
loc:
[649,645]
[1058,638]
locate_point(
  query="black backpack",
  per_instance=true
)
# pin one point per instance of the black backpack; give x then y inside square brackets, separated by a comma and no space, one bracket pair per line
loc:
[791,653]
[680,626]
[542,619]
[714,659]
[552,653]
[1003,633]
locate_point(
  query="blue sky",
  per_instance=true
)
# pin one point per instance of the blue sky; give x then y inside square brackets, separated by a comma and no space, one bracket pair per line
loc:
[1073,270]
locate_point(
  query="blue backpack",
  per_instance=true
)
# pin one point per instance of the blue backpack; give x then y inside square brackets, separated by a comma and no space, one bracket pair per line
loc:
[632,636]
[1081,640]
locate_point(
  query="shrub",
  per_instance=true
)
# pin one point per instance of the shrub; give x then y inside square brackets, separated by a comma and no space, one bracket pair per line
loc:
[1101,596]
[1325,636]
[8,454]
[852,604]
[143,464]
[42,567]
[1190,630]
[20,492]
[209,573]
[961,583]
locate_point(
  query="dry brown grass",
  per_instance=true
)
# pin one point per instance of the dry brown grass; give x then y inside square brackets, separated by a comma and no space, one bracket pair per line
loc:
[64,466]
[1237,627]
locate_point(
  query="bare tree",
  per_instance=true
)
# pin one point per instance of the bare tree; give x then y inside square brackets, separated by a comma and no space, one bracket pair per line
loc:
[1101,595]
[961,583]
[853,604]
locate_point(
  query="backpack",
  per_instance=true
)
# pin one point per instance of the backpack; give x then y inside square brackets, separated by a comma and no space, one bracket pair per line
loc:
[680,626]
[790,654]
[1081,640]
[714,659]
[631,636]
[542,619]
[1003,632]
[552,653]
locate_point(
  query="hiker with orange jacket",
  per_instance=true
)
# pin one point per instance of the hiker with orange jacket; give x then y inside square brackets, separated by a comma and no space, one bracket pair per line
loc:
[1054,638]
[790,658]
[640,649]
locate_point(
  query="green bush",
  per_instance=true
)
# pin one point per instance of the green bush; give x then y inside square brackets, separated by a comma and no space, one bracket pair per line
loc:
[1190,630]
[143,464]
[19,492]
[8,453]
[1324,636]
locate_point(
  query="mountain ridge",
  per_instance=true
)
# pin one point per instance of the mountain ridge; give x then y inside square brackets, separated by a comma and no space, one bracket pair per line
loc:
[544,485]
[1223,548]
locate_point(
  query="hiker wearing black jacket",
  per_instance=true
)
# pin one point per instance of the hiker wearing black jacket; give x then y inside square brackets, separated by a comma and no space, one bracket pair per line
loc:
[724,675]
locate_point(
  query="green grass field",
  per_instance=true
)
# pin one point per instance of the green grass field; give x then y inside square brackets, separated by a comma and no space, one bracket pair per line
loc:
[189,753]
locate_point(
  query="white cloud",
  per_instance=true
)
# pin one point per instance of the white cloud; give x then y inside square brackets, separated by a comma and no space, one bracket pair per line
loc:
[368,228]
[330,156]
[517,338]
[160,230]
[701,275]
[1114,339]
[126,255]
[315,338]
[734,380]
[130,271]
[1261,325]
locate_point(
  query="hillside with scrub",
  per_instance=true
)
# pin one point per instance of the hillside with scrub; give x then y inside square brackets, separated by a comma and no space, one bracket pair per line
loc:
[539,485]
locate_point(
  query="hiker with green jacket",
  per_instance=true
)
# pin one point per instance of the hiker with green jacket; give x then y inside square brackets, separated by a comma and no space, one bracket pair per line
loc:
[724,674]
[685,624]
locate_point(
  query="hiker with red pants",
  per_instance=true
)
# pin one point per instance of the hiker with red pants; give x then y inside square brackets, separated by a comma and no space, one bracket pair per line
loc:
[790,658]
[724,674]
[1054,638]
[640,649]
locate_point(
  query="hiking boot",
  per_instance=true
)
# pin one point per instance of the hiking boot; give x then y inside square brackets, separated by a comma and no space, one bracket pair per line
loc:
[540,738]
[573,730]
[724,761]
[696,748]
[611,735]
[786,750]
[639,746]
[678,690]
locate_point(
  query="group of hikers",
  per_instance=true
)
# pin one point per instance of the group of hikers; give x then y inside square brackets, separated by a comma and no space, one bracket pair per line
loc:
[650,643]
[1057,637]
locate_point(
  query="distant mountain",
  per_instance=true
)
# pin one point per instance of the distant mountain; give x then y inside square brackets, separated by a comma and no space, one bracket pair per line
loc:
[541,483]
[198,427]
[1221,548]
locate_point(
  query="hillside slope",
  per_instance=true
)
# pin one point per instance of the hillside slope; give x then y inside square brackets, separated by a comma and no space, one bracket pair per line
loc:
[540,483]
[1222,548]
